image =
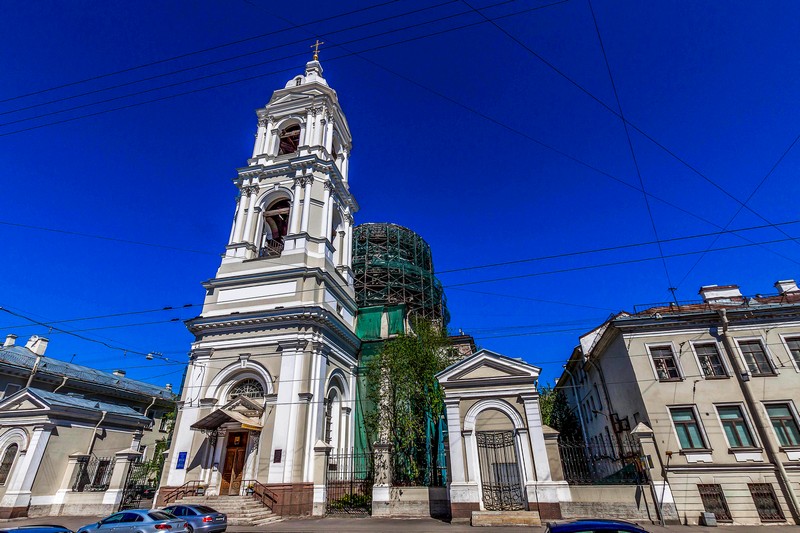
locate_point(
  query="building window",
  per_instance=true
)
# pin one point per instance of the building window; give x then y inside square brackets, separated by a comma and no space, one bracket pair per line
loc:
[290,139]
[664,361]
[755,357]
[688,428]
[249,388]
[794,348]
[736,430]
[766,503]
[275,221]
[784,424]
[8,460]
[714,502]
[710,361]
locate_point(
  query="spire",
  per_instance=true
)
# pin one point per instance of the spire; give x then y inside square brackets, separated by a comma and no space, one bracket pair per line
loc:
[315,46]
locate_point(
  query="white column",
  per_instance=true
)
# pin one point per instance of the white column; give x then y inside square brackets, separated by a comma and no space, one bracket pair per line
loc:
[456,442]
[316,387]
[345,164]
[285,435]
[237,225]
[188,414]
[340,242]
[261,132]
[269,135]
[326,221]
[307,133]
[534,418]
[329,215]
[349,241]
[294,216]
[306,203]
[329,135]
[271,143]
[18,490]
[248,225]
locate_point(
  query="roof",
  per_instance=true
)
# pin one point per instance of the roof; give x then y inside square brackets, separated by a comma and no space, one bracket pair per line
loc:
[23,357]
[736,302]
[54,399]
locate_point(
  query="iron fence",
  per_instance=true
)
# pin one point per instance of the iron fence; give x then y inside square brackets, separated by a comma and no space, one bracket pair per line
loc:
[93,474]
[603,462]
[425,469]
[348,483]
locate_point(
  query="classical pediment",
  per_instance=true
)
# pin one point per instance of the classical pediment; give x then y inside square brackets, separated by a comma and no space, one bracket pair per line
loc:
[489,367]
[23,401]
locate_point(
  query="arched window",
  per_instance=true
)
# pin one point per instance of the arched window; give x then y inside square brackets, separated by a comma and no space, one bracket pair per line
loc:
[8,460]
[276,226]
[249,388]
[290,139]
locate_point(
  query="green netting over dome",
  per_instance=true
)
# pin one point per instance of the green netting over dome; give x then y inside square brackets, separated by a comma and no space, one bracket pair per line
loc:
[393,265]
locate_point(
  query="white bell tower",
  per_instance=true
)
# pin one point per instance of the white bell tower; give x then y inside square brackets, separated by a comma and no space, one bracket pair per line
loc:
[278,319]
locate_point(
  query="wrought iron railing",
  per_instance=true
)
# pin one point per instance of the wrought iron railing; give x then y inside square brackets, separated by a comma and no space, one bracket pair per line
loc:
[93,474]
[602,462]
[272,248]
[348,480]
[260,492]
[190,488]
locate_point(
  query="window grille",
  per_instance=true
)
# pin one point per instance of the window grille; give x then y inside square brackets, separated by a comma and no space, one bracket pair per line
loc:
[710,362]
[766,503]
[93,474]
[664,361]
[8,461]
[736,430]
[688,428]
[756,358]
[714,502]
[794,349]
[249,388]
[784,424]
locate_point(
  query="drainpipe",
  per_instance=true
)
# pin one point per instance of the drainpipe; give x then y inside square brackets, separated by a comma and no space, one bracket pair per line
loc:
[33,370]
[577,403]
[63,382]
[94,433]
[150,406]
[763,434]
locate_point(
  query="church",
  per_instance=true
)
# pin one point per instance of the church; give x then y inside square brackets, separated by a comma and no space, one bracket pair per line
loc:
[270,405]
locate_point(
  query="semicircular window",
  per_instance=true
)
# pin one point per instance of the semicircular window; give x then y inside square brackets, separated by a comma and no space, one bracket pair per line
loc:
[249,388]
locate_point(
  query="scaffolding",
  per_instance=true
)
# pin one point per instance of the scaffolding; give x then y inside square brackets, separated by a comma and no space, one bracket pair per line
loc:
[393,265]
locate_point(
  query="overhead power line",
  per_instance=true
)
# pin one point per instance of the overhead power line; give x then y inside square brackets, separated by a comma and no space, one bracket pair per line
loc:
[196,52]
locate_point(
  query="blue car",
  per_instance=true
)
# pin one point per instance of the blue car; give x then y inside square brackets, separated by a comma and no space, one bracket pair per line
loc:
[594,526]
[138,521]
[36,529]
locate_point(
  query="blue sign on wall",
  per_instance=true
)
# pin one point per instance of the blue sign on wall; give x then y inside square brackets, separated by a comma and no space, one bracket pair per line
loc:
[181,461]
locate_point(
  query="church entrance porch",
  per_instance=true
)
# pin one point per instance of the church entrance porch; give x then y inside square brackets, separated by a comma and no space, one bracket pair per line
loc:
[233,466]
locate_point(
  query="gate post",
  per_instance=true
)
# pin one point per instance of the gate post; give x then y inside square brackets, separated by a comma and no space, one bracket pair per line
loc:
[382,475]
[322,451]
[119,477]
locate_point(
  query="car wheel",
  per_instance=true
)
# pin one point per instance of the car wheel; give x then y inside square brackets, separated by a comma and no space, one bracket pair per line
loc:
[189,529]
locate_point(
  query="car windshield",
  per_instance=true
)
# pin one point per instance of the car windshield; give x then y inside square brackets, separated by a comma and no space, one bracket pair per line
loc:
[203,509]
[161,515]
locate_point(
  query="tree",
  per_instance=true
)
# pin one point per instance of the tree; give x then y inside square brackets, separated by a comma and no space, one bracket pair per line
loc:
[401,382]
[557,414]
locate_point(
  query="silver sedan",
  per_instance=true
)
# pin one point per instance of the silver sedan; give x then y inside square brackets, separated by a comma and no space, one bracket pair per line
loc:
[138,521]
[201,518]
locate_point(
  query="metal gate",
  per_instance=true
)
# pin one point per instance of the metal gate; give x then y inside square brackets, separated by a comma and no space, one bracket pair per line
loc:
[500,471]
[348,483]
[139,490]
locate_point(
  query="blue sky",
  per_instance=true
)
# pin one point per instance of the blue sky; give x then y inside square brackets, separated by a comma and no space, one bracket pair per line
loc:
[445,130]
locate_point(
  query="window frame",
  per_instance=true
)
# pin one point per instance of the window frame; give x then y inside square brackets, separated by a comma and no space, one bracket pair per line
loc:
[700,429]
[767,355]
[724,501]
[792,412]
[785,339]
[748,424]
[650,345]
[725,369]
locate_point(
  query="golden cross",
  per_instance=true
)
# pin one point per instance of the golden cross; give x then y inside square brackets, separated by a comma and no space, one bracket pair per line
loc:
[315,46]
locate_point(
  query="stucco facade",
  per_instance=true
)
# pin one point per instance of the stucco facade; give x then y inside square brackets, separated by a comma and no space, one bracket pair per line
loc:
[718,382]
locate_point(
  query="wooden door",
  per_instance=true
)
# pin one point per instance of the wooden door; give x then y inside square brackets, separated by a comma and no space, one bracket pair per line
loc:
[233,468]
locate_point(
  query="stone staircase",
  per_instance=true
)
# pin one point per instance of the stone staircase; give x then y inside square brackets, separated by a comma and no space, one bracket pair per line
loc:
[241,510]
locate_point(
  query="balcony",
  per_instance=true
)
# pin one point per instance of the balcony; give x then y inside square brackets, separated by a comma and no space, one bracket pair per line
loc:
[272,248]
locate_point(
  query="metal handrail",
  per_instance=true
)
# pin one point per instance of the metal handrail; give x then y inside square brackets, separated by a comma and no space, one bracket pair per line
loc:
[188,488]
[261,493]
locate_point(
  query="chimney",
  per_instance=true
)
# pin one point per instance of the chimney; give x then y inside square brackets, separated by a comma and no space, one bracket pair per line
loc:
[10,340]
[37,344]
[119,373]
[168,386]
[721,294]
[786,286]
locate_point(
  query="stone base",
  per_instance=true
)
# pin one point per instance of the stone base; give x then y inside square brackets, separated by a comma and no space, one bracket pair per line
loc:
[412,502]
[462,511]
[293,499]
[505,518]
[13,512]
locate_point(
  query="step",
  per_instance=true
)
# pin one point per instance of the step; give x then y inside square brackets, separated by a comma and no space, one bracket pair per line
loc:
[506,518]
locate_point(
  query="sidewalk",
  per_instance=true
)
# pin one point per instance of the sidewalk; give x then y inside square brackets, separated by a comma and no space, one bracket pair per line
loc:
[390,525]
